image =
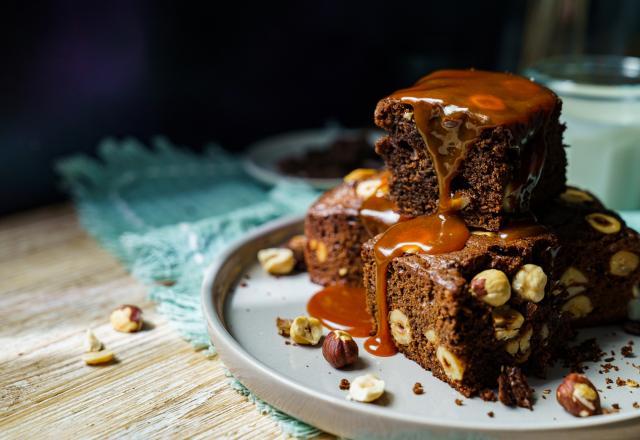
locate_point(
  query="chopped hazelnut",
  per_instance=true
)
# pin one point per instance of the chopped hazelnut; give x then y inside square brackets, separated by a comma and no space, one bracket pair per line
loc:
[506,322]
[529,283]
[603,223]
[127,318]
[576,196]
[366,388]
[277,261]
[400,327]
[578,306]
[453,367]
[306,330]
[359,174]
[623,263]
[284,326]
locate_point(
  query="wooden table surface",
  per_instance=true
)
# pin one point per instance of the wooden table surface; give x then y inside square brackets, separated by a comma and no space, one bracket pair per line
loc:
[55,282]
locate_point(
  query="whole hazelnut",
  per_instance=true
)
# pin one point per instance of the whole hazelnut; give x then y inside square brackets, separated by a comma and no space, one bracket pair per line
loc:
[578,396]
[339,349]
[491,286]
[126,318]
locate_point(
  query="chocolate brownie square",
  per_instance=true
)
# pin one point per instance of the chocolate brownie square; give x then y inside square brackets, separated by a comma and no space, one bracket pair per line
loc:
[597,269]
[465,314]
[487,144]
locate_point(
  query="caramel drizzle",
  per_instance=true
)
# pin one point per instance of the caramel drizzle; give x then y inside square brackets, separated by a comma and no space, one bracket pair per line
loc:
[450,109]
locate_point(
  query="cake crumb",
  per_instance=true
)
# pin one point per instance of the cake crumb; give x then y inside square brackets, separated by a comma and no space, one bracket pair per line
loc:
[636,405]
[615,406]
[490,414]
[459,402]
[488,395]
[627,351]
[344,384]
[417,388]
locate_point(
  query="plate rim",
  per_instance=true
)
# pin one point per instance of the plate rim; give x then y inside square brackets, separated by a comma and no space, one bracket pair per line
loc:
[223,337]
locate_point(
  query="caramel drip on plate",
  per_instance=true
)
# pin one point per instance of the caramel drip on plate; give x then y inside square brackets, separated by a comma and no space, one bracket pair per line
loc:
[450,109]
[342,308]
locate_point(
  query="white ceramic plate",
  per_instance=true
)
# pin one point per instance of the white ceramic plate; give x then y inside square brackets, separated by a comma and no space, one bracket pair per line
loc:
[261,159]
[241,304]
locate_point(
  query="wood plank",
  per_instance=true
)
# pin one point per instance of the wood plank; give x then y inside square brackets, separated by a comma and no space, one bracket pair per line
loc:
[57,282]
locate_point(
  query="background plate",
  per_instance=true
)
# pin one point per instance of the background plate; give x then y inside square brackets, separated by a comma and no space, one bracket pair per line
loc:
[241,303]
[261,159]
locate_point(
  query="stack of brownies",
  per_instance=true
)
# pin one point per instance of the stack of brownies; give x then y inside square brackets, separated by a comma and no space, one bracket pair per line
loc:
[473,252]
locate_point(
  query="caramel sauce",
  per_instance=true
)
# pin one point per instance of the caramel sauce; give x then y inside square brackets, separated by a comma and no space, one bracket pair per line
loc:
[430,234]
[378,212]
[341,307]
[450,109]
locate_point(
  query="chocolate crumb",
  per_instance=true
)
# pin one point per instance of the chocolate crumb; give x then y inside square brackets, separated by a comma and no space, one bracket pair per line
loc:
[621,382]
[627,351]
[513,388]
[608,380]
[459,402]
[491,414]
[609,359]
[587,351]
[636,405]
[615,406]
[344,384]
[488,395]
[287,342]
[243,284]
[632,327]
[417,388]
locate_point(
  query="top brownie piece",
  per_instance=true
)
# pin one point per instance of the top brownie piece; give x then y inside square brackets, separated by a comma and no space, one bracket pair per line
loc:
[490,142]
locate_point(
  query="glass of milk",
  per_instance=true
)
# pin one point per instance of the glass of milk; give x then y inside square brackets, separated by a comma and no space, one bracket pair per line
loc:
[601,108]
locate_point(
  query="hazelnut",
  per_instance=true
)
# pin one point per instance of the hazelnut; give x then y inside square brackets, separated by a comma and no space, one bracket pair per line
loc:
[623,263]
[520,347]
[506,322]
[92,344]
[98,357]
[431,336]
[306,330]
[408,116]
[366,388]
[544,331]
[576,196]
[578,396]
[491,286]
[578,306]
[297,243]
[573,281]
[343,271]
[339,349]
[359,174]
[127,318]
[603,223]
[367,188]
[277,261]
[321,252]
[529,283]
[400,329]
[453,367]
[284,326]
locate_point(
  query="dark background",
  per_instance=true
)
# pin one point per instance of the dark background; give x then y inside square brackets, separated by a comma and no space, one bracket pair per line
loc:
[233,72]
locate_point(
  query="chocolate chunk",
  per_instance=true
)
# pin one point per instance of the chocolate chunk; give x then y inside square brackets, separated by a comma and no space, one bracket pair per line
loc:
[513,388]
[344,384]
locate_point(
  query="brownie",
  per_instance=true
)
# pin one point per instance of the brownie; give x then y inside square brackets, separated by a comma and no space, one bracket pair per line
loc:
[597,267]
[487,144]
[445,314]
[336,227]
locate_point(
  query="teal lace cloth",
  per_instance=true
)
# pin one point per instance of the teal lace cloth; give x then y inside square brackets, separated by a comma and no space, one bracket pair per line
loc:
[166,213]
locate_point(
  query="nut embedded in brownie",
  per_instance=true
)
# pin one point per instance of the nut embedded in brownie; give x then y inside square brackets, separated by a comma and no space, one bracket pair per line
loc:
[493,141]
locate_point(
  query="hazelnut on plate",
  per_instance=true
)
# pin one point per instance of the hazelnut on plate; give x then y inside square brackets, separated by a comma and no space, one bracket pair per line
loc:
[127,318]
[366,388]
[339,349]
[277,261]
[306,330]
[578,396]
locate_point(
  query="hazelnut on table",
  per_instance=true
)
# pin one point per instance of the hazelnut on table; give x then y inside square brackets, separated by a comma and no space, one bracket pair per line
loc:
[127,318]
